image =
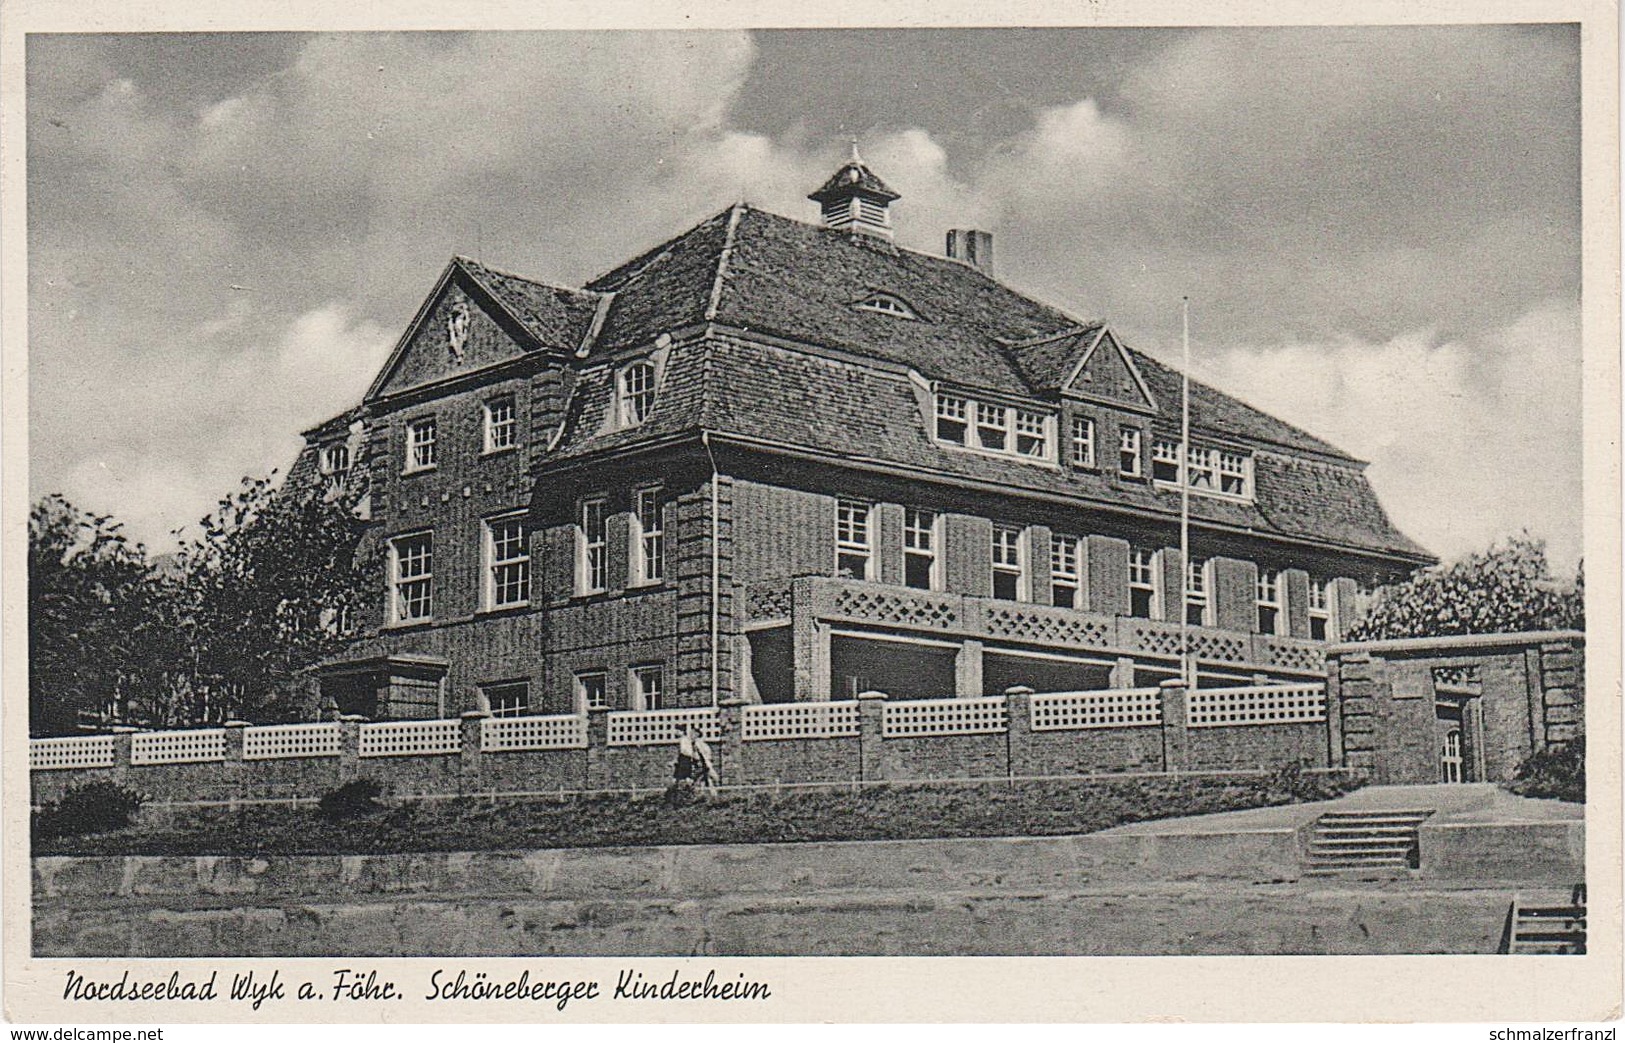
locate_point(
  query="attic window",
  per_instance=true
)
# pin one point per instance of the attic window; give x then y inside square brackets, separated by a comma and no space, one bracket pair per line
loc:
[636,386]
[991,427]
[887,304]
[1212,472]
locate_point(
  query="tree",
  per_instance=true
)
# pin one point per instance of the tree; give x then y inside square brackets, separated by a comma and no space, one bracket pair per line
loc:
[93,607]
[266,591]
[1506,589]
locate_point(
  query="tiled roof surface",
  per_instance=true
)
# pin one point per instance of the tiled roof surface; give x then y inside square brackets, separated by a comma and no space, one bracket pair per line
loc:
[1047,363]
[554,315]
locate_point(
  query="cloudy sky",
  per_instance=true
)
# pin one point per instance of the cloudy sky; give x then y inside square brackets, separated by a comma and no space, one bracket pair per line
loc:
[1379,228]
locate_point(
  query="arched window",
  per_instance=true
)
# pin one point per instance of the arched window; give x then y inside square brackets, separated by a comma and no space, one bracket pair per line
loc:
[637,393]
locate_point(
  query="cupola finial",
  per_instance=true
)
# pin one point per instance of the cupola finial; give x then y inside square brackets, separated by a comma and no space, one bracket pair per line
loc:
[855,200]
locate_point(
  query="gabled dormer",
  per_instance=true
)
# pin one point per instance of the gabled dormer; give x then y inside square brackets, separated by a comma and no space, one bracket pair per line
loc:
[1105,373]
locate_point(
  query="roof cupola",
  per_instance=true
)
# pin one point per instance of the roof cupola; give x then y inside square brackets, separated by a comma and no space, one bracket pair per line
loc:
[855,200]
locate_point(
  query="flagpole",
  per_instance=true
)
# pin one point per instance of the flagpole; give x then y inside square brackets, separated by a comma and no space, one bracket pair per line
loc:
[1186,674]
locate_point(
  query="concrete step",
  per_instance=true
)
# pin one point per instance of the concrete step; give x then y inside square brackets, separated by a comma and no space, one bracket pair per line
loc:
[1364,830]
[1358,841]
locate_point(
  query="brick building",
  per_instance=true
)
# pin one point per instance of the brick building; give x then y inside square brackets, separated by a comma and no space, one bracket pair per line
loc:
[772,460]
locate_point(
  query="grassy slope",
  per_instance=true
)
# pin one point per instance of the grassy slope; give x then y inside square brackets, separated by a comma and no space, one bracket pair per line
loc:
[893,812]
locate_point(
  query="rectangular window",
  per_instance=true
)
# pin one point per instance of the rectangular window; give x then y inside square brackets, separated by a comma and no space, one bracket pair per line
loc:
[920,549]
[508,699]
[335,466]
[1196,599]
[1321,597]
[992,427]
[420,444]
[1142,583]
[1201,468]
[1165,461]
[1032,434]
[1083,442]
[507,563]
[1009,564]
[1235,473]
[592,567]
[1128,452]
[501,424]
[649,549]
[592,691]
[1066,573]
[854,549]
[411,563]
[646,687]
[953,419]
[1270,608]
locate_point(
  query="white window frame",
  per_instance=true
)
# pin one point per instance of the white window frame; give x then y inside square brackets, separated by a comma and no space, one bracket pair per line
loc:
[1145,573]
[584,699]
[649,534]
[497,569]
[1237,468]
[1208,469]
[1200,464]
[993,420]
[422,453]
[501,435]
[400,598]
[336,473]
[635,403]
[491,689]
[1322,606]
[1272,595]
[1083,441]
[1199,589]
[1129,449]
[1066,557]
[1018,568]
[953,409]
[923,541]
[592,546]
[855,535]
[644,695]
[1164,454]
[1032,438]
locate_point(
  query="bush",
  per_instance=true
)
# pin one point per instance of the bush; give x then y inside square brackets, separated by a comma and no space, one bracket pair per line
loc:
[1557,772]
[91,807]
[355,799]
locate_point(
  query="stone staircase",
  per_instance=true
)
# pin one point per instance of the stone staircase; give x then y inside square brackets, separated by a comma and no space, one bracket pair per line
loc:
[1382,843]
[1545,924]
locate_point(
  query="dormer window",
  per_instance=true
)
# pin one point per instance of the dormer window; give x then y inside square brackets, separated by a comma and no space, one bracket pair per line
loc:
[1211,472]
[991,427]
[887,304]
[636,393]
[335,466]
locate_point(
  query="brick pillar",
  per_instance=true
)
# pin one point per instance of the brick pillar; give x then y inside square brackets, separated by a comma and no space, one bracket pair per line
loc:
[1235,594]
[1019,731]
[1038,564]
[871,736]
[468,755]
[731,749]
[1334,713]
[123,737]
[1295,588]
[236,768]
[618,552]
[1172,566]
[557,575]
[1122,675]
[968,544]
[350,746]
[889,546]
[968,670]
[1562,665]
[1342,606]
[599,775]
[1174,724]
[1106,579]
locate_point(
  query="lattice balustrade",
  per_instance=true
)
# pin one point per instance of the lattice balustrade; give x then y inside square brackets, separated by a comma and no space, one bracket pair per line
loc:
[558,732]
[928,717]
[287,741]
[800,721]
[919,611]
[1112,708]
[189,747]
[1217,646]
[411,738]
[71,751]
[1263,704]
[662,727]
[1048,626]
[1289,654]
[769,602]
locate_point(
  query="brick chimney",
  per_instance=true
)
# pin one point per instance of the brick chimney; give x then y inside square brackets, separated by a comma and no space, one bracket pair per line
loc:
[973,247]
